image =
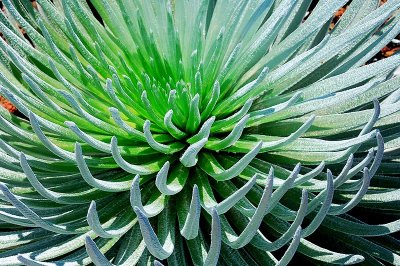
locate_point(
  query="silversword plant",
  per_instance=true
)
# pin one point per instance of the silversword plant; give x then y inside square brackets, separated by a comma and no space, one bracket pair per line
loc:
[199,132]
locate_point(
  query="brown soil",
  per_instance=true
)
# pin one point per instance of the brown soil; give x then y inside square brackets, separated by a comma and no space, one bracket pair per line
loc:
[6,104]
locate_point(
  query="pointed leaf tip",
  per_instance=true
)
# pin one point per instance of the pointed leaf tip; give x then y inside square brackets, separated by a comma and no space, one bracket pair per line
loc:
[161,179]
[95,254]
[190,229]
[189,157]
[150,238]
[216,238]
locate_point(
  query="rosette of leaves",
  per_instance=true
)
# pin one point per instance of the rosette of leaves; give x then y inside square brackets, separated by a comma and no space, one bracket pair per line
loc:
[198,132]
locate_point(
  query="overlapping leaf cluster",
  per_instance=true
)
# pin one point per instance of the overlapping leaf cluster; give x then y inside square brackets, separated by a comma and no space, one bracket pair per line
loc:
[158,123]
